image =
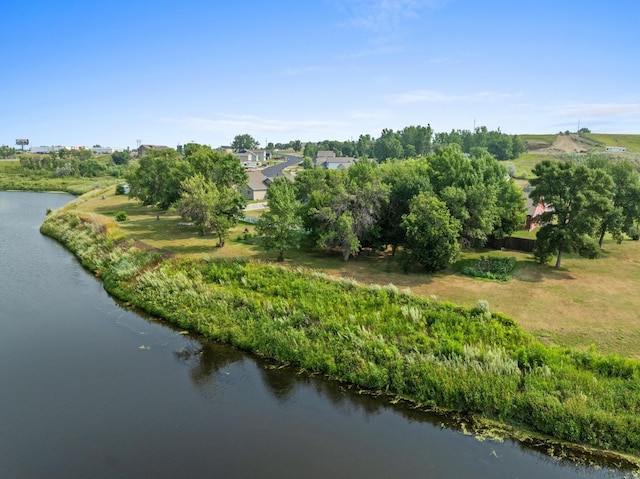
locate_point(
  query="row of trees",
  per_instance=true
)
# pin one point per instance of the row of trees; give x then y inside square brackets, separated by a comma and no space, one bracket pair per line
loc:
[586,200]
[409,142]
[67,162]
[203,185]
[500,145]
[429,206]
[7,152]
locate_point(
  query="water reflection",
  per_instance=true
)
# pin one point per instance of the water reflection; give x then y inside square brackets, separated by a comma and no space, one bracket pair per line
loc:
[207,362]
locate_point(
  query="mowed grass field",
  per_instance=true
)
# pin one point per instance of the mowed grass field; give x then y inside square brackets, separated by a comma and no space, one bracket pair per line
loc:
[587,302]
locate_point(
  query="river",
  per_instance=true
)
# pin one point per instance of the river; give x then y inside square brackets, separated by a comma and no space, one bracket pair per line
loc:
[89,388]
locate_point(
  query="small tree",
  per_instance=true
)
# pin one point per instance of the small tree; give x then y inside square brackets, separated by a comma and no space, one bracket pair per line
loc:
[244,142]
[121,157]
[281,226]
[431,234]
[579,198]
[209,206]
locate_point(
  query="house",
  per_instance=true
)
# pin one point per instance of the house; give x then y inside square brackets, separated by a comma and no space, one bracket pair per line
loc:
[534,210]
[252,158]
[322,156]
[144,149]
[329,161]
[101,150]
[256,189]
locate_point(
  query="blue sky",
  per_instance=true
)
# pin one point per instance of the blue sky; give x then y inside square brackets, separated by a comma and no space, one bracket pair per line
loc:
[78,72]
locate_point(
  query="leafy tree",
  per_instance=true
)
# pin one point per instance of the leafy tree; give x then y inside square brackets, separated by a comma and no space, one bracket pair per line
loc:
[91,168]
[221,168]
[432,234]
[281,226]
[405,179]
[310,150]
[121,157]
[7,152]
[296,145]
[155,179]
[209,207]
[343,207]
[469,187]
[579,198]
[388,146]
[416,139]
[625,209]
[244,142]
[364,146]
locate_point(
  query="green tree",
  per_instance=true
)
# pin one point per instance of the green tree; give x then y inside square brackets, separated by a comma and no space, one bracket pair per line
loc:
[121,157]
[221,168]
[625,209]
[579,198]
[469,187]
[244,142]
[388,146]
[209,207]
[281,227]
[7,152]
[431,234]
[342,207]
[405,179]
[296,145]
[310,150]
[416,139]
[155,178]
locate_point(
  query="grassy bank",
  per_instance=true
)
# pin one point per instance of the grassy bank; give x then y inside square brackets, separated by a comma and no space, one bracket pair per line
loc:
[572,307]
[14,177]
[381,338]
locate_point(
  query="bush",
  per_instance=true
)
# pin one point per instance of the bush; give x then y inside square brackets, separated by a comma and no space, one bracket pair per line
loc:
[491,268]
[121,216]
[120,190]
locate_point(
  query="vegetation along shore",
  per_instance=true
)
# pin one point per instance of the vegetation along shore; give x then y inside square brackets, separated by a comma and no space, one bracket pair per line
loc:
[561,362]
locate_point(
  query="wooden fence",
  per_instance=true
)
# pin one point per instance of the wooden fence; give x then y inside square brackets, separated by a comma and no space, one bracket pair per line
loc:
[517,244]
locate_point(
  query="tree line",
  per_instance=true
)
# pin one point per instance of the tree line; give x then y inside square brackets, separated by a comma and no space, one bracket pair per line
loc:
[586,199]
[408,142]
[202,184]
[426,206]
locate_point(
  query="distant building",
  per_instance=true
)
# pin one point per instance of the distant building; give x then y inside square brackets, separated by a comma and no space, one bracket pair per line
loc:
[329,161]
[616,149]
[100,150]
[256,189]
[252,158]
[144,149]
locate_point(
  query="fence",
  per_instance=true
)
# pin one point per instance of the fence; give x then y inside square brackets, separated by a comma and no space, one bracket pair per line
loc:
[517,244]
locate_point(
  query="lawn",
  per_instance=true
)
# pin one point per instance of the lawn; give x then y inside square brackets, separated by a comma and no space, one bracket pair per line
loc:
[586,302]
[630,142]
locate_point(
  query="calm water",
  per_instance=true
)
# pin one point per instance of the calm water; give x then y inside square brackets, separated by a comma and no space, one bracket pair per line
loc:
[89,389]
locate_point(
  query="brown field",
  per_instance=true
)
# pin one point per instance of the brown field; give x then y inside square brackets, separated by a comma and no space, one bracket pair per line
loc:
[587,302]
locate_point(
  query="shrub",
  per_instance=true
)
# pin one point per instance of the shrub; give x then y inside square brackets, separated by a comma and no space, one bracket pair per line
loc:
[121,216]
[490,267]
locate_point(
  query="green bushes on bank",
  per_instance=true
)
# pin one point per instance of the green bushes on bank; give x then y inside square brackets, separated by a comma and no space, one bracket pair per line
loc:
[378,337]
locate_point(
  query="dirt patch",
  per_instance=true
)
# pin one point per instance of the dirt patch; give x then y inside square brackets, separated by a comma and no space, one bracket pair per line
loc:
[566,144]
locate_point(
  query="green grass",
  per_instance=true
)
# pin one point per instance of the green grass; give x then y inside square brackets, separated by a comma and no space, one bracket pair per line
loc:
[630,142]
[382,338]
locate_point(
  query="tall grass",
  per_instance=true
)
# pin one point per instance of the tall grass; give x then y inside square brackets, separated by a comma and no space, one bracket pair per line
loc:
[430,352]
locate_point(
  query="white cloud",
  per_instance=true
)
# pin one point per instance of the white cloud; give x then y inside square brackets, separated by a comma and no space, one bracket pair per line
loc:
[598,110]
[248,123]
[432,96]
[382,16]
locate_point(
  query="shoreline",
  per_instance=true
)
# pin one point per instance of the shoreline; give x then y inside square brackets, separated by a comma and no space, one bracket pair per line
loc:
[122,283]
